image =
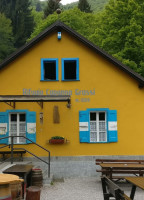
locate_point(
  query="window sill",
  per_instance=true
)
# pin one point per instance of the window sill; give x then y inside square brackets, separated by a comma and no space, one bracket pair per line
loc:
[70,80]
[98,142]
[49,80]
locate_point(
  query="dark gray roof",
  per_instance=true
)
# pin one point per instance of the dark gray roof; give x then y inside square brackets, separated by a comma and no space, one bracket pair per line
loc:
[59,26]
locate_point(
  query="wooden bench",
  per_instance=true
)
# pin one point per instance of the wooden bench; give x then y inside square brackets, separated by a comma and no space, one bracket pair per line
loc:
[19,153]
[99,161]
[110,189]
[107,172]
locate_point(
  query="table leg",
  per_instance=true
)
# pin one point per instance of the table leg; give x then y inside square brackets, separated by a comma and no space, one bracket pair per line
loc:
[111,173]
[133,192]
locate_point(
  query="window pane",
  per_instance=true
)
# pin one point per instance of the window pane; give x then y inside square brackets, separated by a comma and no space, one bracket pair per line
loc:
[49,70]
[102,116]
[70,69]
[93,126]
[102,137]
[92,116]
[102,126]
[13,117]
[22,118]
[93,137]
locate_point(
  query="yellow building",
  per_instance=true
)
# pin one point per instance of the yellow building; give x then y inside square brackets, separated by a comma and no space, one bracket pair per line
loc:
[69,87]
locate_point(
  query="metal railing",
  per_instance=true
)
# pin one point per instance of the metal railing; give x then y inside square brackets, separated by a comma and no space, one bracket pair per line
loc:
[11,146]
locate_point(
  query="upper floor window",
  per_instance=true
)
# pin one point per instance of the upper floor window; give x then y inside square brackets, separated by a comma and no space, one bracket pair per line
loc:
[70,69]
[49,69]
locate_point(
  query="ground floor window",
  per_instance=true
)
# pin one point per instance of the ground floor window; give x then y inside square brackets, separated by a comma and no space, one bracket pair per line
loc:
[17,127]
[18,123]
[98,125]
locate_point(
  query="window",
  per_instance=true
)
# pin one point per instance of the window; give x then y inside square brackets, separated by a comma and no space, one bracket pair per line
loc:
[49,69]
[18,123]
[70,69]
[17,127]
[98,125]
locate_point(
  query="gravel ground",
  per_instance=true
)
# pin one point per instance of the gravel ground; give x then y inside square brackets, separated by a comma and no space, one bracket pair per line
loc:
[81,189]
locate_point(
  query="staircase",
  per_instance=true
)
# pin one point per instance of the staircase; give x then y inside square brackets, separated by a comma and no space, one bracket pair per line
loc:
[47,178]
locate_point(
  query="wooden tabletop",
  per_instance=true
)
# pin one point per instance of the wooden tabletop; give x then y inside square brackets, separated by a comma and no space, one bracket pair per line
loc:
[122,166]
[19,169]
[9,178]
[137,181]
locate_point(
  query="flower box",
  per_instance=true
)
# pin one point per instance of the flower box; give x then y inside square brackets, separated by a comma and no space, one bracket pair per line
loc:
[56,140]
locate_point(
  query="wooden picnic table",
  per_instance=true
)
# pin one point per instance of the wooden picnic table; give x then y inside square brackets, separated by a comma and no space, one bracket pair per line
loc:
[136,182]
[121,168]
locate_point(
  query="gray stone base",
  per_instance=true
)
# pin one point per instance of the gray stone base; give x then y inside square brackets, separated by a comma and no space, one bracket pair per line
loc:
[73,166]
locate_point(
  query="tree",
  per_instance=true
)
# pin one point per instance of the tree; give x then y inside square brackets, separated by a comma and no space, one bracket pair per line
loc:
[119,31]
[6,37]
[79,21]
[52,6]
[22,21]
[38,7]
[84,6]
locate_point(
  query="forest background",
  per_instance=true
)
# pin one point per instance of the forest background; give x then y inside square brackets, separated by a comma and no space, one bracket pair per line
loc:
[116,26]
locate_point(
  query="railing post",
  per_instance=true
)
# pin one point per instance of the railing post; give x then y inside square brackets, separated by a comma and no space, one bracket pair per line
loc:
[49,166]
[12,137]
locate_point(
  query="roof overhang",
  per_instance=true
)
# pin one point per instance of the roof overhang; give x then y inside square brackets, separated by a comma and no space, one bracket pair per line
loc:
[12,99]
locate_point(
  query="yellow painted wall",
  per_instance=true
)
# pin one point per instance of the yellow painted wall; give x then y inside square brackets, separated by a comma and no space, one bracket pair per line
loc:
[114,89]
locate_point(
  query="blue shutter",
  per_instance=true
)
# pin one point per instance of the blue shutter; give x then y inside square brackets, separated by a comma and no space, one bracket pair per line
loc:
[112,126]
[42,69]
[3,127]
[31,126]
[84,126]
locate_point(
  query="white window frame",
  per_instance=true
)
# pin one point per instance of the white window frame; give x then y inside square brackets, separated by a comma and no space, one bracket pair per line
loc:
[97,126]
[18,126]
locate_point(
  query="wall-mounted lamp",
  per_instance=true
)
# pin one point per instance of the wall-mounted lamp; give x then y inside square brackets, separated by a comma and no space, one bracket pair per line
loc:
[59,36]
[41,117]
[69,104]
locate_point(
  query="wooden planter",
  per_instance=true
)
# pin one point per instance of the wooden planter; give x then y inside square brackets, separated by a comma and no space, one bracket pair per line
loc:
[56,141]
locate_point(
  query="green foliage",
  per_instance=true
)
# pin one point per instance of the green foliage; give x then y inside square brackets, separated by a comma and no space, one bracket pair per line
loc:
[57,137]
[38,7]
[37,3]
[83,23]
[70,6]
[84,6]
[22,21]
[96,5]
[6,37]
[52,6]
[38,17]
[119,31]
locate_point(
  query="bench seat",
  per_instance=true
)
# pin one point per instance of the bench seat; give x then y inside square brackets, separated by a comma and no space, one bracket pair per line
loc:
[17,152]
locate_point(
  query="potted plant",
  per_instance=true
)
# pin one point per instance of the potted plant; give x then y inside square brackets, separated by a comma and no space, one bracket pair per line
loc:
[56,140]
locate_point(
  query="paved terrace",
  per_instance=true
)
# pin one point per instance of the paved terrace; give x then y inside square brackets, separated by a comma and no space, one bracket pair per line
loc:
[88,188]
